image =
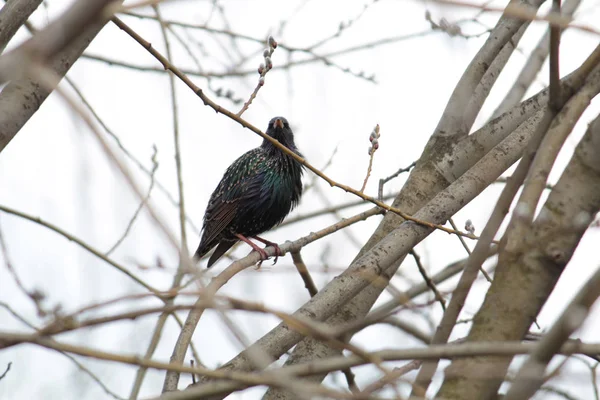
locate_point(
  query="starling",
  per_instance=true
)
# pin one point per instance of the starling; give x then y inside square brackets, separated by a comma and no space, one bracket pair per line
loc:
[255,194]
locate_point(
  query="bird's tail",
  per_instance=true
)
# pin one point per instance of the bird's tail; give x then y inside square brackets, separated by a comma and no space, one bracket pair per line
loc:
[219,251]
[204,249]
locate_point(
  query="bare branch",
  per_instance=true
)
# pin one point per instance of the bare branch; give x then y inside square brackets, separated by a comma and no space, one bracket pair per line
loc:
[555,102]
[533,65]
[552,238]
[428,281]
[82,244]
[12,16]
[528,379]
[21,98]
[55,37]
[303,271]
[6,370]
[219,109]
[186,333]
[383,257]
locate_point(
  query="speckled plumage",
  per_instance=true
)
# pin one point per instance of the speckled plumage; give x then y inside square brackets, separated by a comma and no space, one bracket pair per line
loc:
[255,194]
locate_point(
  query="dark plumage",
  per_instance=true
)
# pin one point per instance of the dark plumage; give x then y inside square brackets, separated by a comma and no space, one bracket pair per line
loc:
[255,194]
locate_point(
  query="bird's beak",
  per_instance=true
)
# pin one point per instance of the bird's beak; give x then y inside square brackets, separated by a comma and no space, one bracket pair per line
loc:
[278,123]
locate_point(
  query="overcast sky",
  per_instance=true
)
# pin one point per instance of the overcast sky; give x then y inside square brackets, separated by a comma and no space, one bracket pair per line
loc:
[56,170]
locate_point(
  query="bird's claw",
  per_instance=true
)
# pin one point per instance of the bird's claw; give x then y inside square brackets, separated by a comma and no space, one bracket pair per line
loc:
[263,256]
[278,252]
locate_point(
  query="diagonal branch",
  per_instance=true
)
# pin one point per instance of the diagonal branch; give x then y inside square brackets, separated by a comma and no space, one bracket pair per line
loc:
[528,273]
[382,258]
[21,98]
[12,16]
[531,375]
[55,37]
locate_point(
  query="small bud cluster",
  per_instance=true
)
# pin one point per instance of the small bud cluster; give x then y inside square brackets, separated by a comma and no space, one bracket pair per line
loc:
[374,139]
[452,29]
[227,94]
[265,66]
[469,227]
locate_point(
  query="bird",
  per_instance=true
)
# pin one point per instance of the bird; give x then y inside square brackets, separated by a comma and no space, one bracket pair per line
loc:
[254,195]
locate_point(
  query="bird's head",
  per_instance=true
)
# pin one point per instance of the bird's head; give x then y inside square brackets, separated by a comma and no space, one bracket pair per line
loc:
[279,129]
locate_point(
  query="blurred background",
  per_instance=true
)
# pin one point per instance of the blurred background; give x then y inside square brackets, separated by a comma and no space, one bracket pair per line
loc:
[363,63]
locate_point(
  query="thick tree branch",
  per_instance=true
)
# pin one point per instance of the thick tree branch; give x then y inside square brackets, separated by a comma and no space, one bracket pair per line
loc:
[219,388]
[479,254]
[526,275]
[55,37]
[12,16]
[373,268]
[21,98]
[533,65]
[462,109]
[531,374]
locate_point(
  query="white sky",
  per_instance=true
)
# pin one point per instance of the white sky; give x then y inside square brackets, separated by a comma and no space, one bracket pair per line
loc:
[54,169]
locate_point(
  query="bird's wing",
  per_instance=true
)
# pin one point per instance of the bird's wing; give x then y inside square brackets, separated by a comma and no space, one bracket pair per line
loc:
[242,181]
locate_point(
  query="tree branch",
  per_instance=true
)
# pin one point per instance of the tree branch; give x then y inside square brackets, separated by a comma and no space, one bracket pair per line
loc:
[21,98]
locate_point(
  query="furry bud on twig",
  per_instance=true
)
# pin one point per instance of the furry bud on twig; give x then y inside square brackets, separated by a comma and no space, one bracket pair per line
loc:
[263,68]
[272,42]
[374,139]
[469,227]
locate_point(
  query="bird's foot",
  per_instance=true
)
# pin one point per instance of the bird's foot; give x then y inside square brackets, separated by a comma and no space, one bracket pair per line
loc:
[263,254]
[278,251]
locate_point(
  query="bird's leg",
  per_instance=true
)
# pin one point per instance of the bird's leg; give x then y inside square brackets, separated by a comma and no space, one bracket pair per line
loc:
[263,254]
[268,243]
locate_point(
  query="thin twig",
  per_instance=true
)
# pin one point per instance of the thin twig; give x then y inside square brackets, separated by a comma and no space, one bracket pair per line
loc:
[262,71]
[342,27]
[6,370]
[462,241]
[325,166]
[219,109]
[79,365]
[82,244]
[374,139]
[140,207]
[220,280]
[238,73]
[327,202]
[396,373]
[309,284]
[320,366]
[517,10]
[383,181]
[408,328]
[141,372]
[351,380]
[428,281]
[330,210]
[554,100]
[36,296]
[125,151]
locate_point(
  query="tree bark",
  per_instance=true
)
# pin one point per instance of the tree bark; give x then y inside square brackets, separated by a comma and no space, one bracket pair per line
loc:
[12,16]
[21,98]
[526,275]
